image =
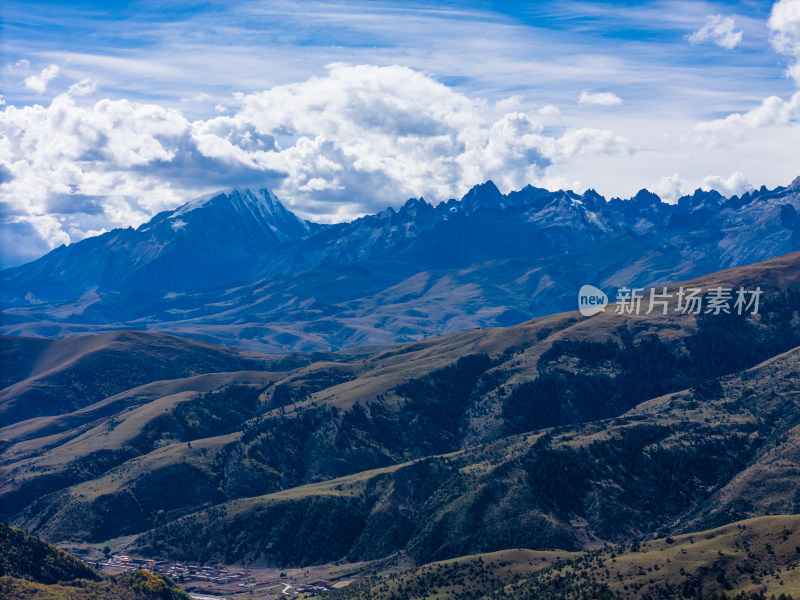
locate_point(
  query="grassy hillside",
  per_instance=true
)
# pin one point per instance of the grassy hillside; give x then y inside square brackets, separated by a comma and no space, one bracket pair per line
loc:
[560,433]
[32,568]
[60,376]
[467,577]
[667,467]
[757,558]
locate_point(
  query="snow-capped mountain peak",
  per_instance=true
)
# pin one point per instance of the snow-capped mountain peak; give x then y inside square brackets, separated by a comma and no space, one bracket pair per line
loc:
[244,200]
[239,211]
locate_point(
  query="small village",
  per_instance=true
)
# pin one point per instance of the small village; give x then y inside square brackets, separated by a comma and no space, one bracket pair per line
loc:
[220,583]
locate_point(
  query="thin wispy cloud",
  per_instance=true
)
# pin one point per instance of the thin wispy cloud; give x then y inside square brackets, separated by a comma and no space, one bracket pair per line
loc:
[84,87]
[248,47]
[418,100]
[600,98]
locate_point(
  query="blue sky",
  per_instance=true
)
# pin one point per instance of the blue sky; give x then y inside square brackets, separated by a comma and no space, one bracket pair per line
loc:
[158,51]
[115,111]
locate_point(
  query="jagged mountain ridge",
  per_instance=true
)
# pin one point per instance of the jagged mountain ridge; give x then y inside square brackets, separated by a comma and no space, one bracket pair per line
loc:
[265,280]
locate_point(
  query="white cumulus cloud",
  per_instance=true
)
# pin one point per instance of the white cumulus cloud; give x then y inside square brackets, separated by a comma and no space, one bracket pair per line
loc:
[334,146]
[600,98]
[773,111]
[735,185]
[38,83]
[669,188]
[784,21]
[548,110]
[719,30]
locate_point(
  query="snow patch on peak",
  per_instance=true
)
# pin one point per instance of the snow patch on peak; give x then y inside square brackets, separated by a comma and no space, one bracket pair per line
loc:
[261,203]
[261,197]
[198,202]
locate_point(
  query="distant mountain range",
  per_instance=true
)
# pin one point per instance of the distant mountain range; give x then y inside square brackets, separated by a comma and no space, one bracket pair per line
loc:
[238,268]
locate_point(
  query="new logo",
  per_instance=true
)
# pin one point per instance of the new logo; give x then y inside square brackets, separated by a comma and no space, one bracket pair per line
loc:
[591,300]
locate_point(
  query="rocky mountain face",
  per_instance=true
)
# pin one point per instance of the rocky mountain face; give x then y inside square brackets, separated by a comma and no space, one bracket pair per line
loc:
[209,242]
[238,268]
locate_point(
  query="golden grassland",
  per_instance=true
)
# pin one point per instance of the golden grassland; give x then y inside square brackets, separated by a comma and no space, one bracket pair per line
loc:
[759,555]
